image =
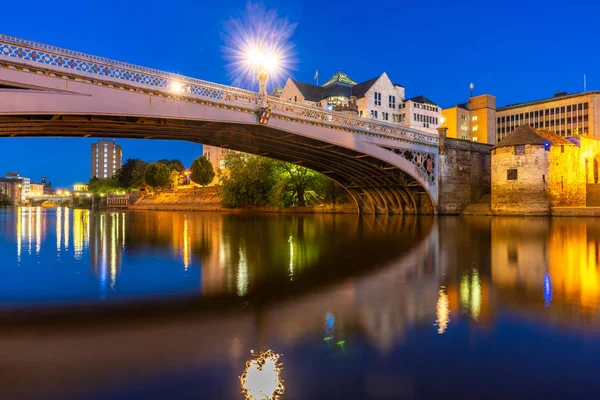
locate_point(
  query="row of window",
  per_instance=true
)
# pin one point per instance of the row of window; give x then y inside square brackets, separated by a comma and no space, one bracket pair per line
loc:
[428,119]
[427,107]
[578,130]
[547,112]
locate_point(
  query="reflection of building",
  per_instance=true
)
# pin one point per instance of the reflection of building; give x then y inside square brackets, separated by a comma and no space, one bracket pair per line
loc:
[565,115]
[106,158]
[474,120]
[106,246]
[377,99]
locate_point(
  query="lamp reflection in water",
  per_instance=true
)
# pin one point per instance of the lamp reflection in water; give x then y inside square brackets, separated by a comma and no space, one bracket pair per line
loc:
[19,233]
[186,244]
[81,232]
[291,242]
[58,230]
[261,379]
[106,249]
[442,311]
[470,294]
[242,275]
[547,290]
[38,229]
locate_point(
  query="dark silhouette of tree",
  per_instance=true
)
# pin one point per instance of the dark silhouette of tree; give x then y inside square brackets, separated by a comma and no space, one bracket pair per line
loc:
[202,171]
[157,176]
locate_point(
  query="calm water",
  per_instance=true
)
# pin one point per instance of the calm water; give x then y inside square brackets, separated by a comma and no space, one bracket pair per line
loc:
[378,308]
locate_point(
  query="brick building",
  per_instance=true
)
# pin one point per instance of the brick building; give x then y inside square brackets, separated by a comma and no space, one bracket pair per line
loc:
[13,189]
[534,170]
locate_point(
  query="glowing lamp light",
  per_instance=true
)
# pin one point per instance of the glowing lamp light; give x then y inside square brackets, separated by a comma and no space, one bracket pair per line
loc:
[176,87]
[261,379]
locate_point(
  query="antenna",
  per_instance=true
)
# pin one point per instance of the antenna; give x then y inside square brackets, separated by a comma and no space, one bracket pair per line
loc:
[472,87]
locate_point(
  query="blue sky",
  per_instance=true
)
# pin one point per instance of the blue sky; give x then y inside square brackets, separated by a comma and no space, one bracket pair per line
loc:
[516,51]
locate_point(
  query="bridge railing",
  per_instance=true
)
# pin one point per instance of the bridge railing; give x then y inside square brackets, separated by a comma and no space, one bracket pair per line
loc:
[360,124]
[108,69]
[94,67]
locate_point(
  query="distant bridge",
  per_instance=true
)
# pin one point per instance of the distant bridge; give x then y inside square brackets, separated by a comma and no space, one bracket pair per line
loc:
[48,91]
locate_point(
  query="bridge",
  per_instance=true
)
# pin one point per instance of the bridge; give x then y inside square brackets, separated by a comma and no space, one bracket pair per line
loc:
[49,91]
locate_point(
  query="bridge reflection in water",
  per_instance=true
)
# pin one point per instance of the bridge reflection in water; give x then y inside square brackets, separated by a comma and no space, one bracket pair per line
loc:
[326,287]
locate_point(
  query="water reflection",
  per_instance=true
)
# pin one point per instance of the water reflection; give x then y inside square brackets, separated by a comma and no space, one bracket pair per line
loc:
[327,291]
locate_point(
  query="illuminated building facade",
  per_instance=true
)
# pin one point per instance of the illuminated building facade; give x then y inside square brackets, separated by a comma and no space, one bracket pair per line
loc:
[565,115]
[474,120]
[80,187]
[377,99]
[106,158]
[216,156]
[13,189]
[36,190]
[534,170]
[25,183]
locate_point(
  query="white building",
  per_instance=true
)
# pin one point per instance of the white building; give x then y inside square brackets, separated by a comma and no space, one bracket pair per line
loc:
[377,98]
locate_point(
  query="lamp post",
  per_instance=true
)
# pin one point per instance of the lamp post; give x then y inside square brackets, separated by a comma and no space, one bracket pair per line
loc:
[262,61]
[187,174]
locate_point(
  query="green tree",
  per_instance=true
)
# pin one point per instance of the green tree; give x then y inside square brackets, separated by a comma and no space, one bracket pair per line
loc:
[249,180]
[176,165]
[157,176]
[202,171]
[5,201]
[175,179]
[131,174]
[103,186]
[295,185]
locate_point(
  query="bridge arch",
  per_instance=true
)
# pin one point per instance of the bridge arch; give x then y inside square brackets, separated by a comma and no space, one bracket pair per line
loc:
[386,168]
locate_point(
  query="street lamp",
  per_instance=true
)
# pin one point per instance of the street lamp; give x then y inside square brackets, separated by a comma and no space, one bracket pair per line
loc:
[263,61]
[187,173]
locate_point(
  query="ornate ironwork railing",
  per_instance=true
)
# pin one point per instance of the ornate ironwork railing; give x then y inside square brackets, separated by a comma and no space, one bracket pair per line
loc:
[99,68]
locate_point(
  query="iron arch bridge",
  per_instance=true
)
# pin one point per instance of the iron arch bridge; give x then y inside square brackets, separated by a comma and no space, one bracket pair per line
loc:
[48,91]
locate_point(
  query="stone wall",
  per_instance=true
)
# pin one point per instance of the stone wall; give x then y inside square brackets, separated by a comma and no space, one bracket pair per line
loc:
[464,174]
[527,194]
[566,177]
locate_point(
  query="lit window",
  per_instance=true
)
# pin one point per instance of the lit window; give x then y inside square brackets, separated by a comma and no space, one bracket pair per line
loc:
[475,118]
[475,138]
[373,114]
[475,128]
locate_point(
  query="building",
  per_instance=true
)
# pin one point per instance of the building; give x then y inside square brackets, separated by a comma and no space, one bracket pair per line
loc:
[36,190]
[25,183]
[106,158]
[377,99]
[13,189]
[47,186]
[534,170]
[80,187]
[565,115]
[474,120]
[216,156]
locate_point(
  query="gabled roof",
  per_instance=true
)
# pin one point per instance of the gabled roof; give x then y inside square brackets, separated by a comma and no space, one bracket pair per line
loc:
[525,134]
[310,92]
[422,100]
[340,77]
[397,84]
[338,90]
[362,88]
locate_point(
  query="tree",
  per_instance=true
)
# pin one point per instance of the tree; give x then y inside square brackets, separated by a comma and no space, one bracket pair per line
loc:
[176,165]
[103,186]
[249,181]
[296,184]
[157,176]
[5,201]
[131,174]
[202,171]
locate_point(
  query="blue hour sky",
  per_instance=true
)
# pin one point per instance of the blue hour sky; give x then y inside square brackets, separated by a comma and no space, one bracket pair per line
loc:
[515,50]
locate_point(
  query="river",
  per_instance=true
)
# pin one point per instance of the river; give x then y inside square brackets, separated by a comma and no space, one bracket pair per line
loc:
[171,305]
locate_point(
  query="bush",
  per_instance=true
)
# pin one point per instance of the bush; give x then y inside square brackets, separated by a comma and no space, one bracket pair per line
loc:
[202,171]
[157,176]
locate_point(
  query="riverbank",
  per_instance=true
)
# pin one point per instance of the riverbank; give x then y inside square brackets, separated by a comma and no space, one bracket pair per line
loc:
[208,199]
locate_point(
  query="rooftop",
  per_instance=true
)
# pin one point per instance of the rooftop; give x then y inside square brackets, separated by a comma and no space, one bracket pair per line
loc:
[340,77]
[422,100]
[525,134]
[547,100]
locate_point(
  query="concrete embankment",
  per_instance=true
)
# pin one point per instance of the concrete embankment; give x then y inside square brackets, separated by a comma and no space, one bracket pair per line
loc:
[208,199]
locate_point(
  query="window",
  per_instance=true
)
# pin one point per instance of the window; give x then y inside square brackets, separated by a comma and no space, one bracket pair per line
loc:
[295,98]
[373,114]
[585,106]
[475,128]
[562,148]
[519,149]
[414,117]
[377,98]
[475,138]
[384,116]
[392,101]
[475,118]
[511,175]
